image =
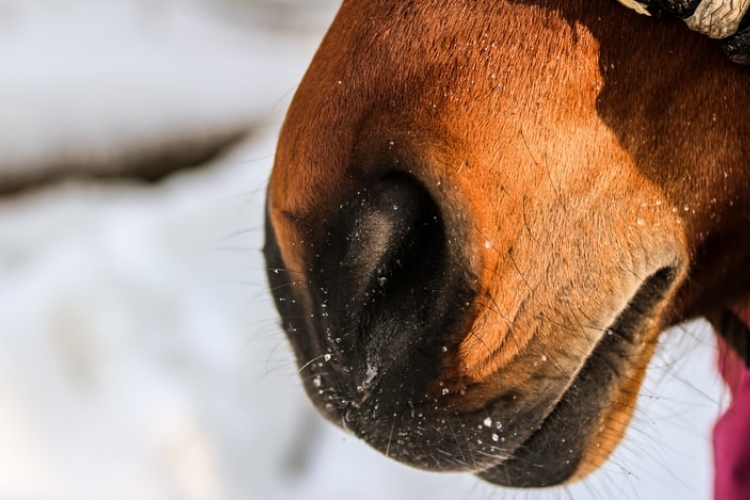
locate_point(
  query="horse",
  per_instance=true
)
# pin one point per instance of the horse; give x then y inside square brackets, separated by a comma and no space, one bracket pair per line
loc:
[482,215]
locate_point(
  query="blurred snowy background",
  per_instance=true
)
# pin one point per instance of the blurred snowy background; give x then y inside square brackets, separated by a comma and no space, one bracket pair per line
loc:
[140,356]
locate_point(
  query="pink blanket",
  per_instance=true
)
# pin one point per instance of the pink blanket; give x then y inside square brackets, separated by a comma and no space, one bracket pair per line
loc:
[731,436]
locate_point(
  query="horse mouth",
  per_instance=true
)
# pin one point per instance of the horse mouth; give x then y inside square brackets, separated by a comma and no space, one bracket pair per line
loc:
[553,454]
[568,427]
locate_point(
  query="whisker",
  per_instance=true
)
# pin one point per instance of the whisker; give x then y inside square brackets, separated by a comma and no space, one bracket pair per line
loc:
[390,437]
[326,356]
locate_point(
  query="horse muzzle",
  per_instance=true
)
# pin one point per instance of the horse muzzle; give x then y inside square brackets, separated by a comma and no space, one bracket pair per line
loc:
[387,308]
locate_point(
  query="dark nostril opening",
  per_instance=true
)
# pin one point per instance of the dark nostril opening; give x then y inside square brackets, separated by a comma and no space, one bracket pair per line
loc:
[396,241]
[382,276]
[384,245]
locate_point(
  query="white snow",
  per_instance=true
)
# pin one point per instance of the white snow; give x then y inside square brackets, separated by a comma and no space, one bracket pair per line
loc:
[140,355]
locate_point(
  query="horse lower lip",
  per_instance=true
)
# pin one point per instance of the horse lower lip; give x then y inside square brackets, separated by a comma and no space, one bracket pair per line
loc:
[552,453]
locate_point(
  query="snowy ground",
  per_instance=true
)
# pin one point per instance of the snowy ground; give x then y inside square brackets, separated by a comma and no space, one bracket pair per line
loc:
[140,356]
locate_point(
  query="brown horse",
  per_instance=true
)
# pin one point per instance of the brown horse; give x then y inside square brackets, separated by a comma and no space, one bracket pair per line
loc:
[483,213]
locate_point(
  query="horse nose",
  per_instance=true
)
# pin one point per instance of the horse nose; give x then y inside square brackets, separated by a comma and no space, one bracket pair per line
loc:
[389,290]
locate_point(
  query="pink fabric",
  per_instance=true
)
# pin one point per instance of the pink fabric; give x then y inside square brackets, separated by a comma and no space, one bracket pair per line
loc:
[731,437]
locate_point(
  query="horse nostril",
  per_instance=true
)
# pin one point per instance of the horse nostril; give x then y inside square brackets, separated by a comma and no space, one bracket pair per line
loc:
[390,239]
[384,245]
[381,273]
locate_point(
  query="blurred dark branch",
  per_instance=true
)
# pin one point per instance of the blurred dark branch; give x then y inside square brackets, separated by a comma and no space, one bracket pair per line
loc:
[149,163]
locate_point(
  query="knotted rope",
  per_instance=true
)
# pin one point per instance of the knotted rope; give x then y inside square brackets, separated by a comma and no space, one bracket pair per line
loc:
[725,20]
